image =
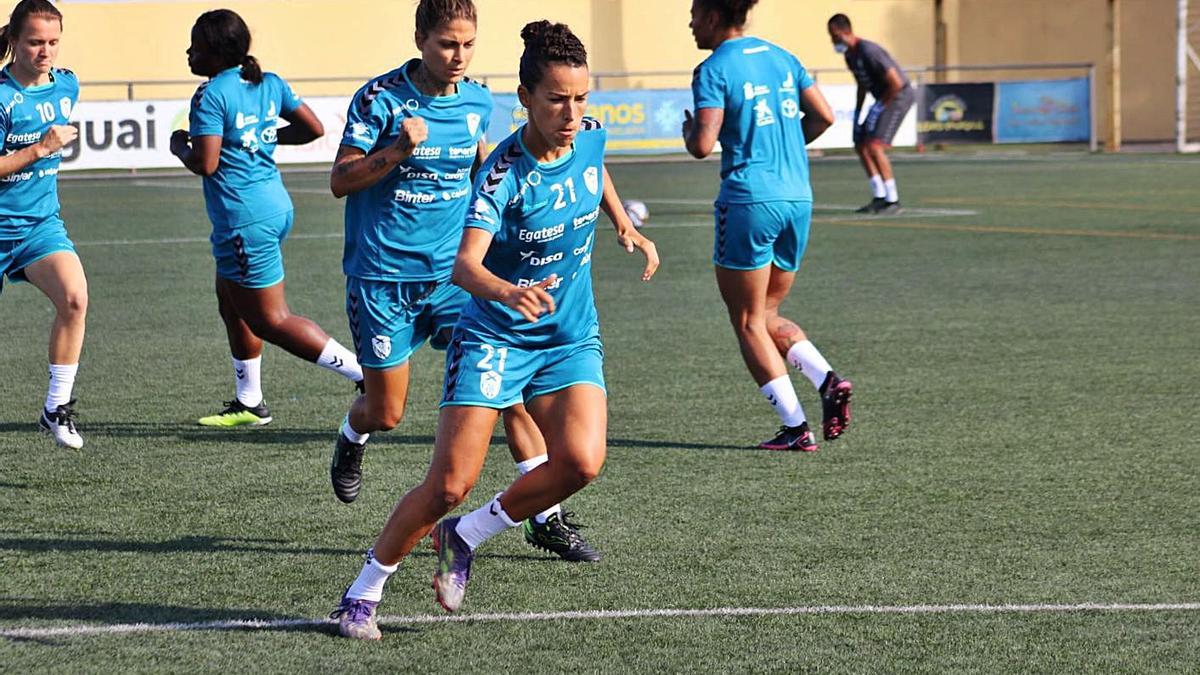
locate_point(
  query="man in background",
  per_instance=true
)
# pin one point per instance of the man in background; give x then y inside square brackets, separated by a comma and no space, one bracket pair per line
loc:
[878,73]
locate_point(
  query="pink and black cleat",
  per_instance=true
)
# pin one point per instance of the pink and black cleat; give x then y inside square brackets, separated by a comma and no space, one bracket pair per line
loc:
[799,438]
[835,405]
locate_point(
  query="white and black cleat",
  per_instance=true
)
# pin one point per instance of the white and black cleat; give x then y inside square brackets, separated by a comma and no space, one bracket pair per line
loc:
[61,425]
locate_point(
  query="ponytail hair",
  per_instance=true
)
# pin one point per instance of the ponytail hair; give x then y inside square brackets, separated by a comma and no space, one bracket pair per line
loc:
[547,43]
[733,12]
[251,70]
[225,35]
[19,17]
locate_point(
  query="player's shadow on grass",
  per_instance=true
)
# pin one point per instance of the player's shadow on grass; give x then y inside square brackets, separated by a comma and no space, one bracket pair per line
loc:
[191,544]
[19,611]
[282,435]
[208,544]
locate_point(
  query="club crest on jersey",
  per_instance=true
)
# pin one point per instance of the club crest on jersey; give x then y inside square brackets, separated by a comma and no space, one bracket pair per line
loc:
[473,123]
[489,384]
[381,345]
[591,178]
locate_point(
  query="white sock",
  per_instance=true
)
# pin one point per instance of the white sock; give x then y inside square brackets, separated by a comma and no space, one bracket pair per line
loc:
[249,380]
[529,465]
[804,357]
[62,380]
[370,581]
[484,523]
[893,194]
[782,396]
[352,435]
[340,360]
[877,188]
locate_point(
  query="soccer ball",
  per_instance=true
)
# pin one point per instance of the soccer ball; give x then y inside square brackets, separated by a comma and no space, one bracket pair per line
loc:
[637,211]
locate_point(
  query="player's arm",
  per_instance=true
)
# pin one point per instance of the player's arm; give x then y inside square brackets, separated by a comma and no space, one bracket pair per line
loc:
[818,116]
[700,132]
[470,275]
[355,170]
[628,236]
[51,142]
[199,154]
[303,126]
[894,84]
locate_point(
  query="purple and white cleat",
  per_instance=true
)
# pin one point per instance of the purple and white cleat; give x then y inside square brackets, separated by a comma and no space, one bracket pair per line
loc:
[454,565]
[356,619]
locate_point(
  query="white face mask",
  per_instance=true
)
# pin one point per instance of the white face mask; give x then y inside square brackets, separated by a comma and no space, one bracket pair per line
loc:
[841,48]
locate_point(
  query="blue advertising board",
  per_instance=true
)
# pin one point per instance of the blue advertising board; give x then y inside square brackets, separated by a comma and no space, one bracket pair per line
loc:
[638,121]
[1044,111]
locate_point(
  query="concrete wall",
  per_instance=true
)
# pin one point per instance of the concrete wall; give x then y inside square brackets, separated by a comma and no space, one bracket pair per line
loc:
[356,39]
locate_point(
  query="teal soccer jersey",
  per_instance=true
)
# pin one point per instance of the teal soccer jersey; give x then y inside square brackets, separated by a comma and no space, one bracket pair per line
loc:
[758,86]
[407,226]
[246,187]
[29,197]
[543,219]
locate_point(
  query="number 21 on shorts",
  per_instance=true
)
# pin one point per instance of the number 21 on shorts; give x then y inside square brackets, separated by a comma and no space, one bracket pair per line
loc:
[492,373]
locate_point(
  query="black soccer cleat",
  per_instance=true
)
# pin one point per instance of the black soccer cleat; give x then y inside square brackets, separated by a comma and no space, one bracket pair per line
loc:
[835,405]
[890,209]
[345,470]
[560,536]
[874,206]
[799,438]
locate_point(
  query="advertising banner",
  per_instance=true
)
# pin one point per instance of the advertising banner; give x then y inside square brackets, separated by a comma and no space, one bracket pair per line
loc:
[137,134]
[638,121]
[956,113]
[1045,111]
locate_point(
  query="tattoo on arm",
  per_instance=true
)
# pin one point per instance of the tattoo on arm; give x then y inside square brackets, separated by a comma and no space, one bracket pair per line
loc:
[378,163]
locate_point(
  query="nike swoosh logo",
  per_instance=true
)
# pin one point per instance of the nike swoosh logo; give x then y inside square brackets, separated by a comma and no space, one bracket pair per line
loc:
[492,508]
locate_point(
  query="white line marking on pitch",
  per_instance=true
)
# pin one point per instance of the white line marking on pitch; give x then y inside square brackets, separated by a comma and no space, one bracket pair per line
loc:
[719,612]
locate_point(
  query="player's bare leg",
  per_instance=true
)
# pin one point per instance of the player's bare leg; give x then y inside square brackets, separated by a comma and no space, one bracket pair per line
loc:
[794,345]
[61,278]
[551,529]
[877,151]
[574,421]
[463,436]
[379,408]
[745,296]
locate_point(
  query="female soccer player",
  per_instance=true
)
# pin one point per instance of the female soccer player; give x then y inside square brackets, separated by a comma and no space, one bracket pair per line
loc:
[234,130]
[750,94]
[529,333]
[37,100]
[413,138]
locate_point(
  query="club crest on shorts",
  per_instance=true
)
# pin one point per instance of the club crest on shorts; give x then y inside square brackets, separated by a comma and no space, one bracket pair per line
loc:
[473,123]
[489,384]
[591,178]
[381,345]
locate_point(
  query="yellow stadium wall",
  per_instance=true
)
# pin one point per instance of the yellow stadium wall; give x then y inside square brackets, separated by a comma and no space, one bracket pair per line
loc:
[353,39]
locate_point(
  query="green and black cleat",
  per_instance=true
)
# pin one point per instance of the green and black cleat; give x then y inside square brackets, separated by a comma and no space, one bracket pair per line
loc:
[561,537]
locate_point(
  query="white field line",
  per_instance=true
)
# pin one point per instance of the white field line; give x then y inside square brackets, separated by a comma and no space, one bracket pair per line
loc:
[599,615]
